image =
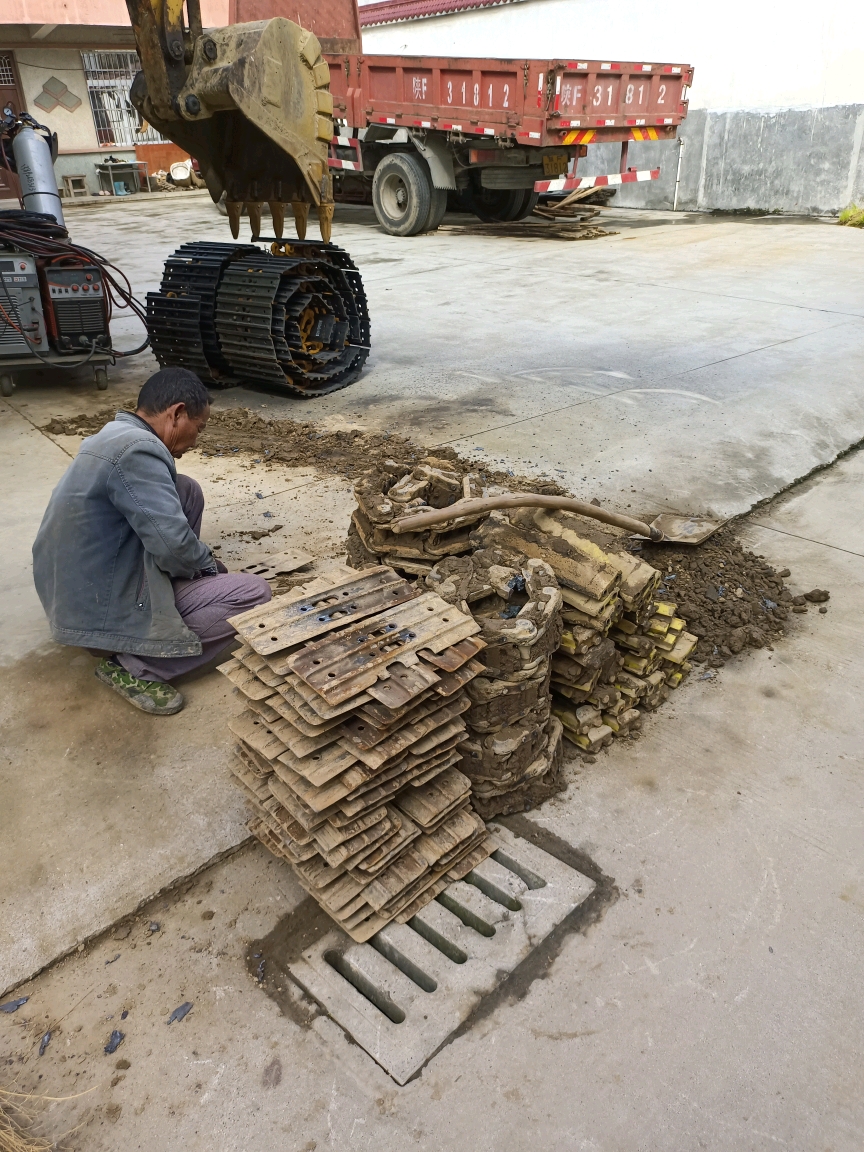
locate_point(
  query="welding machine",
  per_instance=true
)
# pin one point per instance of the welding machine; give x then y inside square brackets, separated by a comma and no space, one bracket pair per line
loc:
[55,296]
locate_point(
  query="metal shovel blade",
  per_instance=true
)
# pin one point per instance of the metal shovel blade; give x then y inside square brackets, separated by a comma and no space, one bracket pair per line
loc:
[685,529]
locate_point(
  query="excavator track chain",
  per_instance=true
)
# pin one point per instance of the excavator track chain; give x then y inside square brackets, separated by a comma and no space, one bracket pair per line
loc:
[174,324]
[183,333]
[233,313]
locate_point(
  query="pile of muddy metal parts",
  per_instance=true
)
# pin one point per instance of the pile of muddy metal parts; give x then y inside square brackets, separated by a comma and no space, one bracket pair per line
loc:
[623,645]
[513,750]
[580,636]
[354,686]
[385,494]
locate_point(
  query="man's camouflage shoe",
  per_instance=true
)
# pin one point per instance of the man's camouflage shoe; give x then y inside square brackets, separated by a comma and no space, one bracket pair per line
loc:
[153,696]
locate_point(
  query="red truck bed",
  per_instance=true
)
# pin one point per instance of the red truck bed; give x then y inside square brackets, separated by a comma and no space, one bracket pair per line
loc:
[536,102]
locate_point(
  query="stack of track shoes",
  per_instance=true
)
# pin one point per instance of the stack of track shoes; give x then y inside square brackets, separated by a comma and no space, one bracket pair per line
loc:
[513,749]
[348,747]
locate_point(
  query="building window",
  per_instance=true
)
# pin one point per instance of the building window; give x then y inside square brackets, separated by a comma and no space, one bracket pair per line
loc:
[109,77]
[7,75]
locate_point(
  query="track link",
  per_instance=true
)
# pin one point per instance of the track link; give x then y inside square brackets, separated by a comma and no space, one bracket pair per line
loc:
[192,273]
[295,321]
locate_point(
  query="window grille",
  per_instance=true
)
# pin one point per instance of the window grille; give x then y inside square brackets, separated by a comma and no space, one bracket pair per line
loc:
[109,77]
[7,75]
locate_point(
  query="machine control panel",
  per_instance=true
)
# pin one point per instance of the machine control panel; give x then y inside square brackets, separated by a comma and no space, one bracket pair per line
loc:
[69,283]
[18,271]
[78,314]
[22,323]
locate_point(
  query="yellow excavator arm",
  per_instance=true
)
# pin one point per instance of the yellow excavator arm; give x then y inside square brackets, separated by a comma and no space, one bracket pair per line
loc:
[250,102]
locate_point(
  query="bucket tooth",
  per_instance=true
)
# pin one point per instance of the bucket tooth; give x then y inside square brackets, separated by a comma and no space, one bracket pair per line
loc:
[235,210]
[301,215]
[325,221]
[277,211]
[255,218]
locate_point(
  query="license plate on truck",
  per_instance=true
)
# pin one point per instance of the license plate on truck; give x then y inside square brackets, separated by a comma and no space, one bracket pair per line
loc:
[555,165]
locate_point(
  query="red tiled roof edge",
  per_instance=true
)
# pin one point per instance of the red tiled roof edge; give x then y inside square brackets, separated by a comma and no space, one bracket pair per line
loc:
[393,11]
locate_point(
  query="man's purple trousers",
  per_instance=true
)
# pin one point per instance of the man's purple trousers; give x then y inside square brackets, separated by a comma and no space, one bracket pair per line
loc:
[204,604]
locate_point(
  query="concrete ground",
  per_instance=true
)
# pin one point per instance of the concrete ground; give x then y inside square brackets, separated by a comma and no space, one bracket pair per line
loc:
[619,363]
[713,1005]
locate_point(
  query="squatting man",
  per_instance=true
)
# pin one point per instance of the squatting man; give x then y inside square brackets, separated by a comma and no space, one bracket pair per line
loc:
[118,562]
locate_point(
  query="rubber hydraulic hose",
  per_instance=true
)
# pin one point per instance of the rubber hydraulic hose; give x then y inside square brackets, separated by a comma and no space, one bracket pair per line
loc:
[425,519]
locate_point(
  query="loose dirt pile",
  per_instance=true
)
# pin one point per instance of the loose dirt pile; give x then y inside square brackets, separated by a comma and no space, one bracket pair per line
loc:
[298,444]
[731,598]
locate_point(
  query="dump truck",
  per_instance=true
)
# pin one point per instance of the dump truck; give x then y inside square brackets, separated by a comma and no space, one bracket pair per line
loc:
[275,111]
[498,133]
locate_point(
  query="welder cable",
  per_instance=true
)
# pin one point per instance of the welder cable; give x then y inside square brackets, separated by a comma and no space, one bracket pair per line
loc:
[41,236]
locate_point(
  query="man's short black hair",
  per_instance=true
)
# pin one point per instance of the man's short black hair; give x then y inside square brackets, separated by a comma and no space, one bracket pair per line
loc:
[173,386]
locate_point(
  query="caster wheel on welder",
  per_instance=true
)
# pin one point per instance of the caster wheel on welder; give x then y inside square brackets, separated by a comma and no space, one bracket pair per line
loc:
[7,385]
[101,377]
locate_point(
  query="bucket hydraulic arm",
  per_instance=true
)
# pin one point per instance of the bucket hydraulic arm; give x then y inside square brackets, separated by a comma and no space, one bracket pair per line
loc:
[250,102]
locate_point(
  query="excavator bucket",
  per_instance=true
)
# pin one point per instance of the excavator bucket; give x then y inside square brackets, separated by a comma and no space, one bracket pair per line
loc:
[250,102]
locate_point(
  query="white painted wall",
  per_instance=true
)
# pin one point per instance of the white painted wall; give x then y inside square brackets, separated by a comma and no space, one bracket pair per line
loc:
[75,130]
[753,54]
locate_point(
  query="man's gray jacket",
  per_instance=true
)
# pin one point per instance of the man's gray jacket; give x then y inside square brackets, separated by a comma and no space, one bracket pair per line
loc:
[113,535]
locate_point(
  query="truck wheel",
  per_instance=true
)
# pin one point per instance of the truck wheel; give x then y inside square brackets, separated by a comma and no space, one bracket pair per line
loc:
[437,208]
[402,194]
[459,200]
[7,385]
[496,205]
[101,377]
[529,203]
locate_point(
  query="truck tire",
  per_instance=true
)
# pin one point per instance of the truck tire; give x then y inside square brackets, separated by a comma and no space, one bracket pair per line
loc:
[437,208]
[402,194]
[496,205]
[529,203]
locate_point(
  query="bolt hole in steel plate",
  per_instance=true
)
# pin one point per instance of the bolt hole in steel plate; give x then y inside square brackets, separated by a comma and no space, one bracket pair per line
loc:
[401,995]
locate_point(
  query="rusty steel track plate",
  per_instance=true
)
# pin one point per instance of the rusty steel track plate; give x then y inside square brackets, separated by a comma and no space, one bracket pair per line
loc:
[403,682]
[246,681]
[450,682]
[298,618]
[342,666]
[429,804]
[454,656]
[279,564]
[360,732]
[408,734]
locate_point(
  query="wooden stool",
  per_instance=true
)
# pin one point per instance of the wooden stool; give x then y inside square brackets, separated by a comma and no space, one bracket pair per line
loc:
[75,186]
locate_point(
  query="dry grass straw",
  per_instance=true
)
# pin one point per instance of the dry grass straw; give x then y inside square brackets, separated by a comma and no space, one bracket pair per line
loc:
[15,1123]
